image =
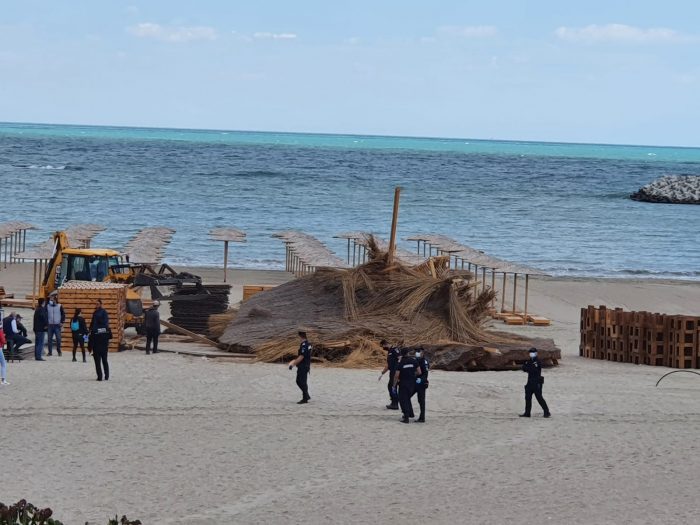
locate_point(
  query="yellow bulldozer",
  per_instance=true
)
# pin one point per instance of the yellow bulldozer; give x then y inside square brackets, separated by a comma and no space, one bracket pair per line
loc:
[106,265]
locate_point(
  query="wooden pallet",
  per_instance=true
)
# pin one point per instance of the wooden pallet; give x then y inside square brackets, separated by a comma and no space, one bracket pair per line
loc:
[538,320]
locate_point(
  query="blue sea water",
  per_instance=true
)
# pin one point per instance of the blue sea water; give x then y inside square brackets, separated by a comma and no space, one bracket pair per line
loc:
[561,207]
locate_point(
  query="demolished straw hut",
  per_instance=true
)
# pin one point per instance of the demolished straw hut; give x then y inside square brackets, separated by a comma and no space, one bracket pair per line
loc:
[348,311]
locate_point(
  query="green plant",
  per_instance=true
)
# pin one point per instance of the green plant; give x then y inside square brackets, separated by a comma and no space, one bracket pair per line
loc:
[23,513]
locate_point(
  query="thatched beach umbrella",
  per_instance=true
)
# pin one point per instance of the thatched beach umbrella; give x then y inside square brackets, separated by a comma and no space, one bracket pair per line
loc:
[227,235]
[305,253]
[479,259]
[79,236]
[14,237]
[148,245]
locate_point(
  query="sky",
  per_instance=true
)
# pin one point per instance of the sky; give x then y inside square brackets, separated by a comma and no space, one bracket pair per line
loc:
[597,71]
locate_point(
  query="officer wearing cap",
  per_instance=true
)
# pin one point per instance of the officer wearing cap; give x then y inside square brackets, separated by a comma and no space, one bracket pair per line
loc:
[152,324]
[534,384]
[392,362]
[405,379]
[303,364]
[421,382]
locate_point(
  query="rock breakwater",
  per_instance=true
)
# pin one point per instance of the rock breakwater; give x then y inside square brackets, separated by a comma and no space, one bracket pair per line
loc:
[671,189]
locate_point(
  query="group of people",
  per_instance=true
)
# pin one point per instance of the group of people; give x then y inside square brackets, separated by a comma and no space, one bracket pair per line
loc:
[49,318]
[408,376]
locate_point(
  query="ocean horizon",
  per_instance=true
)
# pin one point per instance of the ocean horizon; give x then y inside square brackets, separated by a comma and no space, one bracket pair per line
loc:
[561,207]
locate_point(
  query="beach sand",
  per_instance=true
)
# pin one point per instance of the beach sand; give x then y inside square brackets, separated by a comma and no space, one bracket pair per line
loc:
[173,439]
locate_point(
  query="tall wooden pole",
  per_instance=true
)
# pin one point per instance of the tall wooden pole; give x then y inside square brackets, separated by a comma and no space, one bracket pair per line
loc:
[225,259]
[34,285]
[394,223]
[527,281]
[515,289]
[503,293]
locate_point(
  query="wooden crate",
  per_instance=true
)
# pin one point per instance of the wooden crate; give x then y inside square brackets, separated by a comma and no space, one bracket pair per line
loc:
[640,337]
[249,290]
[81,294]
[684,347]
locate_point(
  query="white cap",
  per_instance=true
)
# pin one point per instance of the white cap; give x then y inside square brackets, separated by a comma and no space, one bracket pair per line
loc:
[156,303]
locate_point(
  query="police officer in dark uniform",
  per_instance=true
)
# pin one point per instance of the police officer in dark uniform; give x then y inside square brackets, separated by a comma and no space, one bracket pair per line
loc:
[534,384]
[392,362]
[421,382]
[303,364]
[405,379]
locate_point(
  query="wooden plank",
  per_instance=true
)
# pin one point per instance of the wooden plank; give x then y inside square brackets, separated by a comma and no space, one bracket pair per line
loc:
[197,337]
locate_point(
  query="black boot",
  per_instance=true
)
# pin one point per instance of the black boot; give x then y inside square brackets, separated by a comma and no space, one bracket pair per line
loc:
[405,420]
[524,415]
[394,405]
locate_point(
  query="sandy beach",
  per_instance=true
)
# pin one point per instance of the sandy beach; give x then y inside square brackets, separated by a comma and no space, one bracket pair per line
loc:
[173,439]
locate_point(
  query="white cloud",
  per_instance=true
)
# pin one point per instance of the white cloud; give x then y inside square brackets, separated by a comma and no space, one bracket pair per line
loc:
[469,31]
[173,33]
[620,33]
[265,35]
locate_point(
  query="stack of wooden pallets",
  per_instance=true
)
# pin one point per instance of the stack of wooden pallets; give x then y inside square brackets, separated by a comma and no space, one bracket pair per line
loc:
[640,337]
[249,290]
[82,294]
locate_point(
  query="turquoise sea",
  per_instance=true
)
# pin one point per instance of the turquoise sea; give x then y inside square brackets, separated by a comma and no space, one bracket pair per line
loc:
[561,207]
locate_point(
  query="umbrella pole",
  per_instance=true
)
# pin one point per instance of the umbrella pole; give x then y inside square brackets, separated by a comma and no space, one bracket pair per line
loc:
[527,282]
[34,285]
[503,293]
[225,259]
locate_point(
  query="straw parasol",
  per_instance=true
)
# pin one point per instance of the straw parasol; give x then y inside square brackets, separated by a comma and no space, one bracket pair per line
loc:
[227,235]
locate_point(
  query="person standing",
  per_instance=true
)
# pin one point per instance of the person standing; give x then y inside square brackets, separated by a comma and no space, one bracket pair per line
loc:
[99,335]
[56,316]
[41,326]
[3,362]
[78,330]
[422,382]
[405,379]
[152,324]
[392,362]
[303,364]
[534,384]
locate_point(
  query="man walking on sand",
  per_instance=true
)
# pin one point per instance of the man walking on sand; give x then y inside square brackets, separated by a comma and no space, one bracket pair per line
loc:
[303,364]
[392,362]
[534,384]
[405,380]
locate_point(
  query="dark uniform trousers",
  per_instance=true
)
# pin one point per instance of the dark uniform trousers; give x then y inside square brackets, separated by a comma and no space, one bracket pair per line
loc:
[303,381]
[405,394]
[152,338]
[420,393]
[536,389]
[99,353]
[393,395]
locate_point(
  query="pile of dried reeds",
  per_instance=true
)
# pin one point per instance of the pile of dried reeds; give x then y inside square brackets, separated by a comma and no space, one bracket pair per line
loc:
[348,311]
